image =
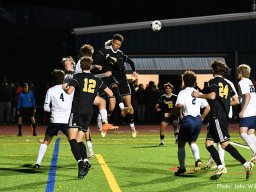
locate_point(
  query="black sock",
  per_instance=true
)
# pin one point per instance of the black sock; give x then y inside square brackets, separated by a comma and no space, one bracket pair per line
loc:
[161,137]
[82,150]
[130,118]
[214,153]
[19,128]
[34,128]
[234,153]
[117,95]
[75,148]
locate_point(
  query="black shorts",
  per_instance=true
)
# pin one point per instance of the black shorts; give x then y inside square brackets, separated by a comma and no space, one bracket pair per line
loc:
[170,120]
[80,121]
[109,81]
[124,87]
[26,112]
[218,130]
[53,129]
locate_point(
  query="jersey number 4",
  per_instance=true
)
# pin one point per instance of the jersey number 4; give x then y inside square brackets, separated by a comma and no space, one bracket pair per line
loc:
[89,85]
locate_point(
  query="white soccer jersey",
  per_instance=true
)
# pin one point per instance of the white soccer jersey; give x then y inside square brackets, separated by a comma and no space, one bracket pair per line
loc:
[246,86]
[230,115]
[78,68]
[60,103]
[192,105]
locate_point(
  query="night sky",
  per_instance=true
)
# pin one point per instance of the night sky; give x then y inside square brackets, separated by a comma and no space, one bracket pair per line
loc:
[35,34]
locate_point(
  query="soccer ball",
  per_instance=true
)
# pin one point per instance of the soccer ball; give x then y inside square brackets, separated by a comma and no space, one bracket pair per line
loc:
[156,25]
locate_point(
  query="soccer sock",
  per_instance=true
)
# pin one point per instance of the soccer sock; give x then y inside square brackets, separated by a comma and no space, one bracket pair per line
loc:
[41,152]
[104,115]
[75,148]
[34,128]
[253,137]
[181,156]
[214,154]
[249,141]
[19,128]
[99,121]
[221,154]
[83,152]
[162,138]
[195,151]
[234,153]
[89,145]
[117,95]
[131,119]
[121,106]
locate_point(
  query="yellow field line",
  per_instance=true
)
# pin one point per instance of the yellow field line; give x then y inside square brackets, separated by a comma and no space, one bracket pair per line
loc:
[108,174]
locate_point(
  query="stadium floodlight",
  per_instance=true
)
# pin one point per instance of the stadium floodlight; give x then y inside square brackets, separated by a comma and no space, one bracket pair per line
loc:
[165,23]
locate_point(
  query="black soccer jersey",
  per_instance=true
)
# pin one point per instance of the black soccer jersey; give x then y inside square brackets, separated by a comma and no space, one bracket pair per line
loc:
[86,89]
[103,55]
[221,105]
[167,103]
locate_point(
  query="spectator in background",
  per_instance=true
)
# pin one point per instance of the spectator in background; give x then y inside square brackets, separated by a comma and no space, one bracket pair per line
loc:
[26,108]
[6,96]
[140,95]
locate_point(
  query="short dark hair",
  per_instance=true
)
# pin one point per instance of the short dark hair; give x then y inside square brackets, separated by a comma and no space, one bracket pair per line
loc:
[58,76]
[219,67]
[86,63]
[25,85]
[118,37]
[189,78]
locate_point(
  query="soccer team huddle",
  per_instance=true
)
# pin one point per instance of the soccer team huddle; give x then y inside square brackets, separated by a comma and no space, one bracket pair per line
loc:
[100,77]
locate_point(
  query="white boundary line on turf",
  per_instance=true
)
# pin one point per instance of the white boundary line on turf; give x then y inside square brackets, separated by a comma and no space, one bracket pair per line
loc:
[240,145]
[108,174]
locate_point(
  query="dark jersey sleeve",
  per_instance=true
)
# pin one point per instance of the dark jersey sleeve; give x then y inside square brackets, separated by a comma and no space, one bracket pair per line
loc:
[128,60]
[74,82]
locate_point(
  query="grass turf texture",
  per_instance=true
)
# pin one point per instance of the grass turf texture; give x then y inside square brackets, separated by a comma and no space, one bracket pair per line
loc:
[137,164]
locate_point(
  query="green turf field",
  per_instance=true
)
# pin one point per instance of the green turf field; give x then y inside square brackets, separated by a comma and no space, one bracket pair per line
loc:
[121,163]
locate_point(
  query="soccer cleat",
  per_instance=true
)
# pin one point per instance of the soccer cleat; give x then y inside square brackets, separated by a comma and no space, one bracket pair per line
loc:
[36,166]
[161,144]
[90,154]
[209,164]
[218,173]
[248,169]
[19,134]
[180,171]
[134,132]
[225,170]
[103,133]
[83,169]
[198,165]
[253,159]
[125,111]
[106,126]
[34,134]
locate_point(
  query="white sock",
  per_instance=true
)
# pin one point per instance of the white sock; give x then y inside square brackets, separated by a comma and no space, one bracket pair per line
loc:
[89,145]
[99,122]
[132,125]
[121,106]
[181,156]
[253,137]
[195,151]
[41,152]
[104,115]
[221,154]
[249,141]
